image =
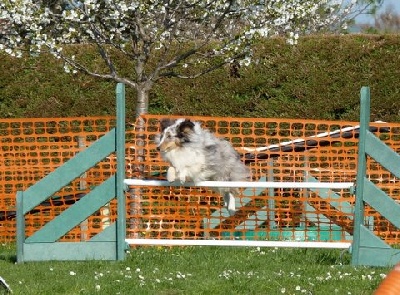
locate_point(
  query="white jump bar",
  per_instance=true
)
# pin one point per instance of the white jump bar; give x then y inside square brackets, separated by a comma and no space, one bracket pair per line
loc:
[261,184]
[245,243]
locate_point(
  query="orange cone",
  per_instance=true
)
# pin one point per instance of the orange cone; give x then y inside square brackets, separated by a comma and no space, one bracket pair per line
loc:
[391,284]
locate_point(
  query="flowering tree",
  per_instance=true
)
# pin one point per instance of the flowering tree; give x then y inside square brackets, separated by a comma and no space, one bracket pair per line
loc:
[160,38]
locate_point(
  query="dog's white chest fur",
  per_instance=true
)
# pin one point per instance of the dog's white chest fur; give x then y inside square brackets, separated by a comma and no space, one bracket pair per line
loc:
[189,164]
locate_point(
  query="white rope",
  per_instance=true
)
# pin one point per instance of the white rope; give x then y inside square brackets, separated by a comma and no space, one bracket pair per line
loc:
[260,184]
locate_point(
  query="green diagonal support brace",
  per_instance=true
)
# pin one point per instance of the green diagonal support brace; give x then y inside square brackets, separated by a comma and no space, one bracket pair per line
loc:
[75,214]
[72,169]
[381,153]
[381,202]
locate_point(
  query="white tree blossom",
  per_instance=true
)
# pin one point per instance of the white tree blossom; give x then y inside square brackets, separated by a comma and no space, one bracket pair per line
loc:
[161,38]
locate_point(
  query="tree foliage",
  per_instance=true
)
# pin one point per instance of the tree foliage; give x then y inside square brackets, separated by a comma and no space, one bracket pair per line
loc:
[161,38]
[309,81]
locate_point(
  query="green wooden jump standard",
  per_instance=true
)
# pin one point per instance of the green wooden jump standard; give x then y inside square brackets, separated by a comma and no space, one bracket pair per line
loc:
[106,245]
[367,248]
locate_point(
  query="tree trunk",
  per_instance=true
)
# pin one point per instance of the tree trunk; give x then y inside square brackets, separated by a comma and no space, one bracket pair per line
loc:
[142,105]
[135,208]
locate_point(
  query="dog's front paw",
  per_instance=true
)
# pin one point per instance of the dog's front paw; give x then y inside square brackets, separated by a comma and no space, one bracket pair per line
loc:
[171,174]
[229,200]
[182,178]
[231,212]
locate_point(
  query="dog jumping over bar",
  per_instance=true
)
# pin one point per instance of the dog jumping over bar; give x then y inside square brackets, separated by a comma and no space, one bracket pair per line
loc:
[196,154]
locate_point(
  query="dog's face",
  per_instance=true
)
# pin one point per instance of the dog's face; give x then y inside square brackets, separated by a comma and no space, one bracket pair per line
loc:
[174,134]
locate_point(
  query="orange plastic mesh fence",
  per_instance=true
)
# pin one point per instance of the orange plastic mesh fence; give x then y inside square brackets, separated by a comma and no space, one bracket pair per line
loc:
[31,149]
[298,151]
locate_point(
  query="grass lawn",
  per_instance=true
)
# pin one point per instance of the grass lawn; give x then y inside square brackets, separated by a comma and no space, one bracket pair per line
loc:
[195,270]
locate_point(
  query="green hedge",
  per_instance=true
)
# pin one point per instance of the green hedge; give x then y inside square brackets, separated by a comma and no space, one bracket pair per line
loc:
[320,78]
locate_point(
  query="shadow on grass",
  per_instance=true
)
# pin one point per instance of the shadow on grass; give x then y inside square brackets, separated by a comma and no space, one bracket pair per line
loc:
[317,256]
[333,257]
[8,253]
[11,258]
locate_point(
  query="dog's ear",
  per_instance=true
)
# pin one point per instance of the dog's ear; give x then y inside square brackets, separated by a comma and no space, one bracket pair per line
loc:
[164,123]
[185,128]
